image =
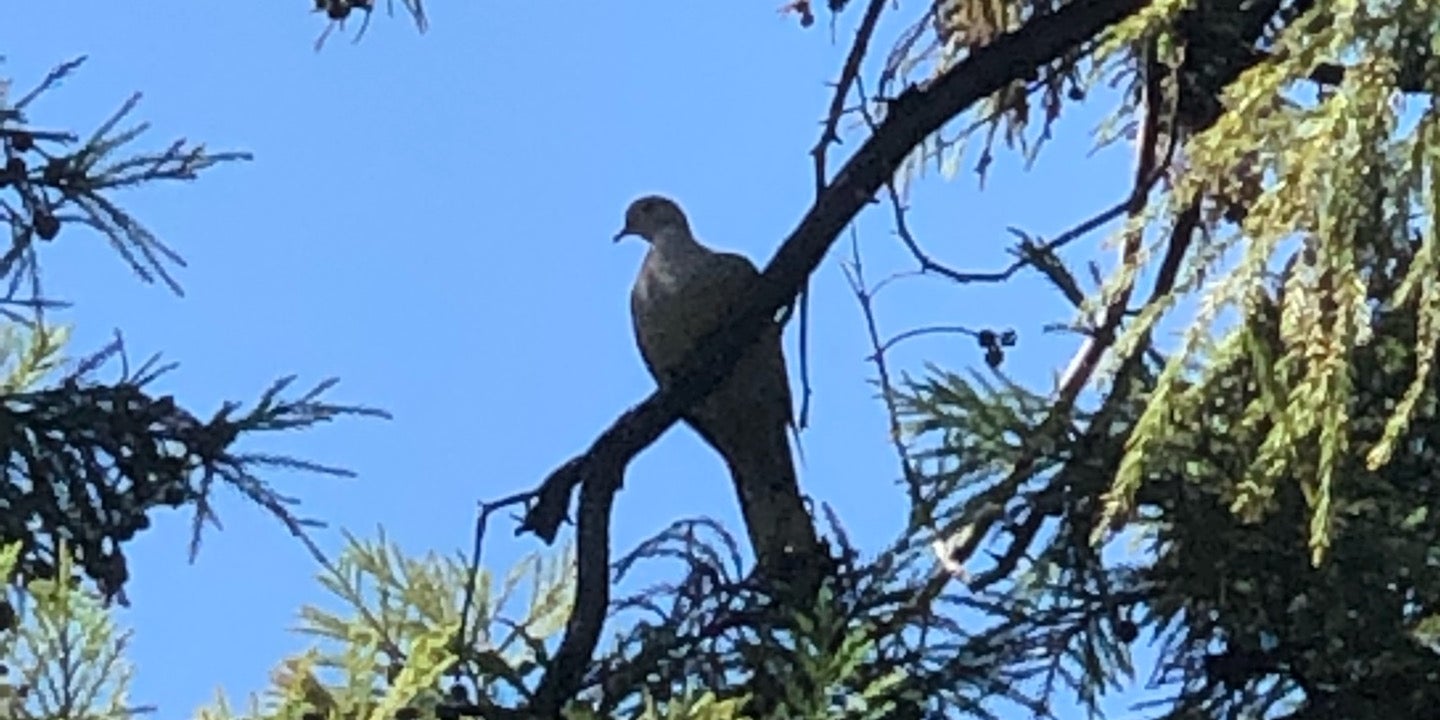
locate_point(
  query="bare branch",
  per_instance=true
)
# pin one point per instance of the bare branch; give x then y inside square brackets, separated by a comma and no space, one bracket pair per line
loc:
[848,77]
[592,593]
[855,274]
[882,347]
[848,74]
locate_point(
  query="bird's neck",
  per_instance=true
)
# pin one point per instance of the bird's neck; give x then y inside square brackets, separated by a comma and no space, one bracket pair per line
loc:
[676,245]
[675,261]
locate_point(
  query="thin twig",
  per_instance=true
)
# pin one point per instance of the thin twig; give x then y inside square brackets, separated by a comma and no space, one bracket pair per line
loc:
[482,520]
[917,332]
[855,274]
[902,48]
[896,277]
[1027,254]
[831,135]
[848,75]
[803,419]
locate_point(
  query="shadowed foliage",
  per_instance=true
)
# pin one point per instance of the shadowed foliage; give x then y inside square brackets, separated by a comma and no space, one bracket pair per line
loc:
[86,460]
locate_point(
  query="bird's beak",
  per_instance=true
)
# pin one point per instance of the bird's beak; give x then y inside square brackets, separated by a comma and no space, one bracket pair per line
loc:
[625,231]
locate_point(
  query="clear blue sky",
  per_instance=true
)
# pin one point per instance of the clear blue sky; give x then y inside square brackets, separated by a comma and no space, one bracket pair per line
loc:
[429,218]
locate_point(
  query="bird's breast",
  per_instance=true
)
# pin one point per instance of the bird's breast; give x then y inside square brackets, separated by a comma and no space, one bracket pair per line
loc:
[672,310]
[664,282]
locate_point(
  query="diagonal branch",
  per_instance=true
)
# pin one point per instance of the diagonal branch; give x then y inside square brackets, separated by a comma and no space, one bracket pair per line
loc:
[917,113]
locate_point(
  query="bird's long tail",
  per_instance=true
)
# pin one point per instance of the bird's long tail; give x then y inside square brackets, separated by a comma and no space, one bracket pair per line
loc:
[780,528]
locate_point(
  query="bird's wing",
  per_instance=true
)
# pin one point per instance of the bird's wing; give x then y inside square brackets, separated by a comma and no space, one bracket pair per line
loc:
[733,272]
[638,321]
[666,331]
[744,418]
[669,314]
[735,278]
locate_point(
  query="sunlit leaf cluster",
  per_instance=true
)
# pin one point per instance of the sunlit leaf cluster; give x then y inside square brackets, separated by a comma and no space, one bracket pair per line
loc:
[1256,495]
[411,636]
[61,654]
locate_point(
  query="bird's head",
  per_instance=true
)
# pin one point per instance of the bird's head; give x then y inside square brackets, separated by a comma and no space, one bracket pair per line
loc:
[652,216]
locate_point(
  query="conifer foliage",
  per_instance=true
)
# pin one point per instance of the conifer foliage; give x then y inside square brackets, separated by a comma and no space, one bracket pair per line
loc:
[1255,502]
[86,457]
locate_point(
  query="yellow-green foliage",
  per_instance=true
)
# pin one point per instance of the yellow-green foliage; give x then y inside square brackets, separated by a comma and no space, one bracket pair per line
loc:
[28,355]
[830,669]
[688,706]
[1344,181]
[392,651]
[64,656]
[397,637]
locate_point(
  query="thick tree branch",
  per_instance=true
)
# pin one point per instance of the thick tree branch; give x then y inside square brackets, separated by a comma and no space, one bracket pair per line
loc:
[917,113]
